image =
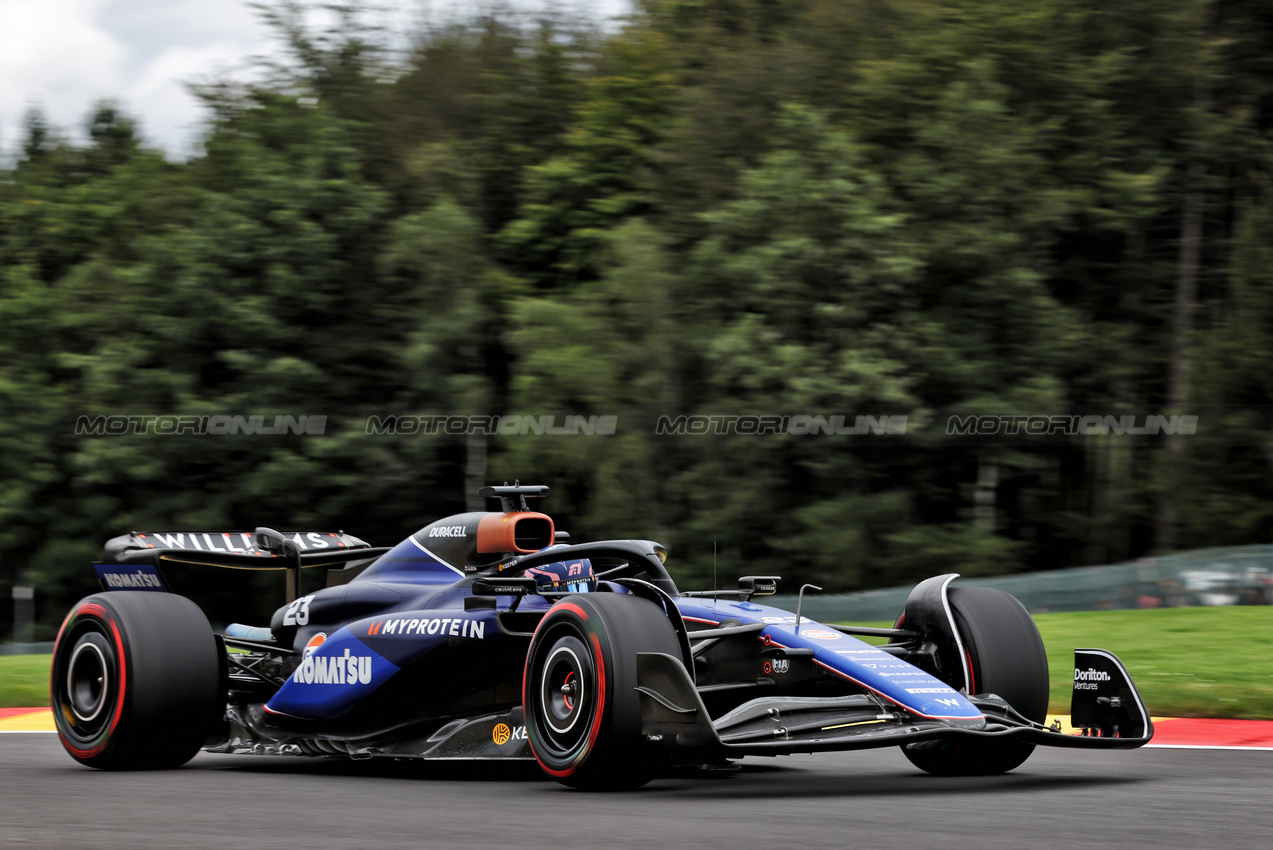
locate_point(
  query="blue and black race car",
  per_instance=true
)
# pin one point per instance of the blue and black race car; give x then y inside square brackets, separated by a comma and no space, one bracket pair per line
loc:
[485,636]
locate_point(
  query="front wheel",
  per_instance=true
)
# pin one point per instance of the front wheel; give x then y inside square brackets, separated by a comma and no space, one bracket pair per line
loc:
[136,681]
[1005,657]
[583,713]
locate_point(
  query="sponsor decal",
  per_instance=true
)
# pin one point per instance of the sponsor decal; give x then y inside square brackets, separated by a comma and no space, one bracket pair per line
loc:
[314,643]
[502,733]
[778,665]
[460,627]
[907,677]
[776,620]
[1089,679]
[928,691]
[137,579]
[820,634]
[447,531]
[240,542]
[118,577]
[347,669]
[512,588]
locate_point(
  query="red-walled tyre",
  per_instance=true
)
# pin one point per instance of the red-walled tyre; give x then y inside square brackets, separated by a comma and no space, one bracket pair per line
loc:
[583,713]
[1005,657]
[137,681]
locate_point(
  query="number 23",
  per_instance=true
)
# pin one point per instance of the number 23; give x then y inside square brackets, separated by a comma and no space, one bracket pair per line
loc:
[298,612]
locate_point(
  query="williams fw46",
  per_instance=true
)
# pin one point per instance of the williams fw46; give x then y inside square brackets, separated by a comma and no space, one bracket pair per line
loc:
[485,636]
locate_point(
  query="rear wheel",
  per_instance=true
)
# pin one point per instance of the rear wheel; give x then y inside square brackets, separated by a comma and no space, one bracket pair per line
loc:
[583,713]
[136,681]
[1005,656]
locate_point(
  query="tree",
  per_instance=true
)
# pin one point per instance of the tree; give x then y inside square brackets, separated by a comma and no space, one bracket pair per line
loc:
[602,177]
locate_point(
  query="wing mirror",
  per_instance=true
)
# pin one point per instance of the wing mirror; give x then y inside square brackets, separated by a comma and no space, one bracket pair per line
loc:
[759,585]
[269,540]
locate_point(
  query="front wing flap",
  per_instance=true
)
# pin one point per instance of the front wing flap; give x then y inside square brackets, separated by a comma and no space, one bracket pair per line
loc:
[673,715]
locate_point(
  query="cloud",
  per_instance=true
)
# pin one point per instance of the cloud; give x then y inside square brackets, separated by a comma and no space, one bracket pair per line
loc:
[54,55]
[64,55]
[150,27]
[160,93]
[173,43]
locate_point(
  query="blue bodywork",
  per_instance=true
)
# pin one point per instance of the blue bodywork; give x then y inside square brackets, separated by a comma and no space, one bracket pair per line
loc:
[842,655]
[419,602]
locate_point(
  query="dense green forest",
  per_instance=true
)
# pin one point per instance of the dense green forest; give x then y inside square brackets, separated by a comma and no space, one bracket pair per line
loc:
[918,208]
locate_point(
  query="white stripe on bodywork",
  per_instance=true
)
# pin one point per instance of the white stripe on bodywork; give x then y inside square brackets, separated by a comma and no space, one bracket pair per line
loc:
[434,557]
[954,630]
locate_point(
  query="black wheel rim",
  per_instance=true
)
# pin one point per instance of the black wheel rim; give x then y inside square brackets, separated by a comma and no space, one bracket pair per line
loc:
[566,695]
[87,681]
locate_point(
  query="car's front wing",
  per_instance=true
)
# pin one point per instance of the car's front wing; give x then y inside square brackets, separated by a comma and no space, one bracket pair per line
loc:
[673,715]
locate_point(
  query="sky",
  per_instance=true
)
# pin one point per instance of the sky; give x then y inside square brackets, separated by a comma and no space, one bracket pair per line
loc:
[65,55]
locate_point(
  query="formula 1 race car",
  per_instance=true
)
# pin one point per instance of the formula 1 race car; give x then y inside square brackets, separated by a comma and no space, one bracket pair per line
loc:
[485,636]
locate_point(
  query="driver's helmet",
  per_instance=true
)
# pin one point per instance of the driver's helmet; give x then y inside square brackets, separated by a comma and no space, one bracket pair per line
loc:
[567,576]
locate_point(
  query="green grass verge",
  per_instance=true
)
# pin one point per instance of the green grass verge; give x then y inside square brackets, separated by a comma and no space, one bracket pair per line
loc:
[24,680]
[1187,662]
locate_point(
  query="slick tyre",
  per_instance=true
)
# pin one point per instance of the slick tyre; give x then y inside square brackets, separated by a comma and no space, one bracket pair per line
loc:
[1005,657]
[137,681]
[583,713]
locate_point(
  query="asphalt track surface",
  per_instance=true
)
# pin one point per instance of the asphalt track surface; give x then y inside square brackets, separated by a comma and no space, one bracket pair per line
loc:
[1168,798]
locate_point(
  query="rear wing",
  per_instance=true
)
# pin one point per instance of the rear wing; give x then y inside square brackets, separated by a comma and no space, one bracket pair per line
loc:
[262,549]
